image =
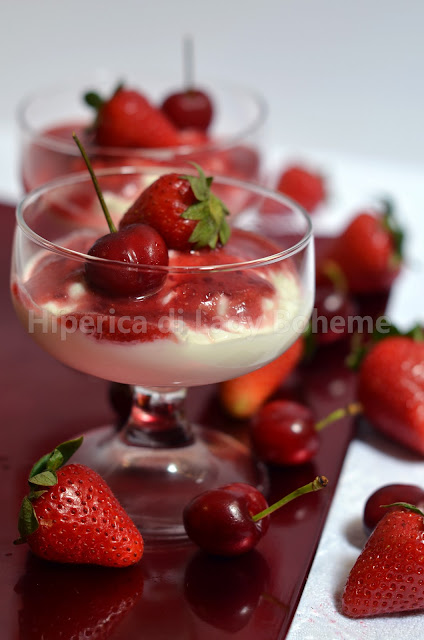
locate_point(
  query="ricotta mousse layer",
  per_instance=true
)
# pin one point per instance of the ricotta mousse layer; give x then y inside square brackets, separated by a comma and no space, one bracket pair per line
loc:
[212,320]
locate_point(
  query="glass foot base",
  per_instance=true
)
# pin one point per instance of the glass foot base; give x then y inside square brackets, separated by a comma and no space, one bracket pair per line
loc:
[155,484]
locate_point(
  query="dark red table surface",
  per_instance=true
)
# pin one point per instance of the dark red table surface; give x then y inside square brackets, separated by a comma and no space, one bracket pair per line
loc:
[174,593]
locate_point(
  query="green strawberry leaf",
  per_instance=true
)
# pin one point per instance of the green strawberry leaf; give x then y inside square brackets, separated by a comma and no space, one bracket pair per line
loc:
[224,232]
[209,211]
[200,184]
[28,521]
[56,458]
[405,505]
[40,465]
[93,100]
[391,224]
[196,211]
[33,495]
[44,479]
[68,448]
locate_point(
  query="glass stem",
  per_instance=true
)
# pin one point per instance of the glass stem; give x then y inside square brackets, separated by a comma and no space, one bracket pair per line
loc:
[157,419]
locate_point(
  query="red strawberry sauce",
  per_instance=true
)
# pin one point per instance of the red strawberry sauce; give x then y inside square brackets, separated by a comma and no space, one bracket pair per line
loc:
[197,299]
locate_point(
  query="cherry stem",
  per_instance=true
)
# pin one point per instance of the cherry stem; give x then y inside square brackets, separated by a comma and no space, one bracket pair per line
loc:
[108,217]
[319,483]
[188,66]
[352,409]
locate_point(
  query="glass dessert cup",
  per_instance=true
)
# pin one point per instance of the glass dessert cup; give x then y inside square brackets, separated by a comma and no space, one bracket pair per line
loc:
[47,119]
[218,314]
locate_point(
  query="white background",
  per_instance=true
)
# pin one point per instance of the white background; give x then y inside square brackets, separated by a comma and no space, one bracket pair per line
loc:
[345,87]
[337,74]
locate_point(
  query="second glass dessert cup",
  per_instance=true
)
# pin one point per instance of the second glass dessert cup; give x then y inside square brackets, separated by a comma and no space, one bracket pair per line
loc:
[218,314]
[46,120]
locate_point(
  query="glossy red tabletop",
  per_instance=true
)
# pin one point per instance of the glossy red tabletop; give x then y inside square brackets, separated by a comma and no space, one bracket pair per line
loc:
[174,593]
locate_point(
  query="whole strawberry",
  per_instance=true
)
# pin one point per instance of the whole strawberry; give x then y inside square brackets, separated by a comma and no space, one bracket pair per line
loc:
[388,576]
[304,186]
[368,252]
[70,515]
[183,210]
[128,119]
[391,389]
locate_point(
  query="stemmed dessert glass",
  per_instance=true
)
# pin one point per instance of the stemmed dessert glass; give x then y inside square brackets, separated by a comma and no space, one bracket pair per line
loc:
[219,314]
[47,119]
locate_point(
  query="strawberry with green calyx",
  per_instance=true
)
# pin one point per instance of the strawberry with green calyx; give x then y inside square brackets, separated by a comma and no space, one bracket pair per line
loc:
[369,251]
[128,119]
[70,515]
[183,209]
[388,575]
[391,388]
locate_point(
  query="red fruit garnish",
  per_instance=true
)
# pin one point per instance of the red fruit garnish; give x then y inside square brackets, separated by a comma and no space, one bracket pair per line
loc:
[127,119]
[220,521]
[303,186]
[388,575]
[243,396]
[183,210]
[391,389]
[136,245]
[283,432]
[368,252]
[187,109]
[190,107]
[231,520]
[70,515]
[375,507]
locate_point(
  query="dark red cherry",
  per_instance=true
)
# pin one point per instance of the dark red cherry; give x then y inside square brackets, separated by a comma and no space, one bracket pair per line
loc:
[373,511]
[231,520]
[135,245]
[224,592]
[189,109]
[333,308]
[220,521]
[283,433]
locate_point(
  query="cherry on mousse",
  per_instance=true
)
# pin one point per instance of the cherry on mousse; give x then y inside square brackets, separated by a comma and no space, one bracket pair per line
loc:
[190,108]
[231,520]
[286,433]
[138,245]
